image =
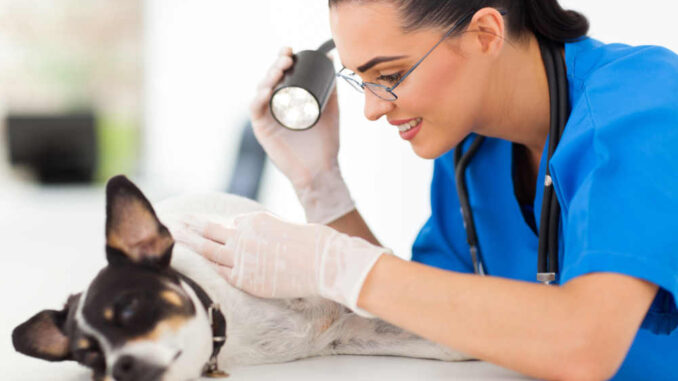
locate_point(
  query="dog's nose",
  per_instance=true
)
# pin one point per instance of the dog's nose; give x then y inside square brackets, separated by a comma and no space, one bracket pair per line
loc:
[127,368]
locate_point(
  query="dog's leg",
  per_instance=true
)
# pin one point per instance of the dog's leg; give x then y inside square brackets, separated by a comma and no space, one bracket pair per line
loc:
[354,335]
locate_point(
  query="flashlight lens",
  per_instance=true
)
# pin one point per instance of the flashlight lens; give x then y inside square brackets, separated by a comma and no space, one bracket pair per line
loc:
[295,108]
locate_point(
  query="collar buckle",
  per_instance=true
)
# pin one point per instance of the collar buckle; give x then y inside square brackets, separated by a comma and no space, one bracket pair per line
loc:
[211,369]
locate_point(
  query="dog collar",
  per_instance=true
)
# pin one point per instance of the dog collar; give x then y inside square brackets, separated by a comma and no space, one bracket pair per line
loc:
[217,323]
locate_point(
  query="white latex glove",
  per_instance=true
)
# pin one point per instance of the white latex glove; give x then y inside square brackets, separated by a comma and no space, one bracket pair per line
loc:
[308,158]
[267,257]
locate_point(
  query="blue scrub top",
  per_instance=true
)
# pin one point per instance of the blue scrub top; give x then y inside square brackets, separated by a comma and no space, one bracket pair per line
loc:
[615,173]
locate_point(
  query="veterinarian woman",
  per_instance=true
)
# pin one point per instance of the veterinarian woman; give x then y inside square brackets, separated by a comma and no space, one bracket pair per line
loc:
[478,68]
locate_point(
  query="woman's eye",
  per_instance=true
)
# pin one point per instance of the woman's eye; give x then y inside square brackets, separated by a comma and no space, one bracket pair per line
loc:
[389,78]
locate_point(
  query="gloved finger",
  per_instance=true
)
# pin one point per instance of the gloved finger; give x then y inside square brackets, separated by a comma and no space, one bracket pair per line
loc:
[286,50]
[259,105]
[213,251]
[275,72]
[195,222]
[225,272]
[259,221]
[217,252]
[217,232]
[272,76]
[187,237]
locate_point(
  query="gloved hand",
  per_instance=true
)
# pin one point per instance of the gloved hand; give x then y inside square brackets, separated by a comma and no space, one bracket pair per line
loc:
[308,158]
[270,258]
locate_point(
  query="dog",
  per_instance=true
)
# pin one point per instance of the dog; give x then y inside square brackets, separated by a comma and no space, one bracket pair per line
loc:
[159,311]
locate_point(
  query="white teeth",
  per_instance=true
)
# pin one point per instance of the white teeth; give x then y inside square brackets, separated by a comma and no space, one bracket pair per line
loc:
[406,126]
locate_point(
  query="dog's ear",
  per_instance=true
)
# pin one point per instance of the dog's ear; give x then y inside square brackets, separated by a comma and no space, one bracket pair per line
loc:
[43,336]
[133,231]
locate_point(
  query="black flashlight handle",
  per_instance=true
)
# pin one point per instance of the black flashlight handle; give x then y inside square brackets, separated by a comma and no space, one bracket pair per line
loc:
[327,46]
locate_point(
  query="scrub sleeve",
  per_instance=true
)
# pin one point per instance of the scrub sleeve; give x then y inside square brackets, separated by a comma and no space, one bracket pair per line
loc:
[620,208]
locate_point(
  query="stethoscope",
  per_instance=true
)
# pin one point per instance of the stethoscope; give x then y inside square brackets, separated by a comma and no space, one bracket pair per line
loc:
[547,260]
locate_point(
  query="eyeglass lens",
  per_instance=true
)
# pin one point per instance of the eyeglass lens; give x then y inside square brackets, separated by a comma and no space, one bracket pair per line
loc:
[378,90]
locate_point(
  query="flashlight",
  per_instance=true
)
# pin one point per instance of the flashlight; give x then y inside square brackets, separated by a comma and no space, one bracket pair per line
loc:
[299,99]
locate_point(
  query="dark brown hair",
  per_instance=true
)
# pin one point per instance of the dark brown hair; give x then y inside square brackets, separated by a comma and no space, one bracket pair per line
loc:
[544,18]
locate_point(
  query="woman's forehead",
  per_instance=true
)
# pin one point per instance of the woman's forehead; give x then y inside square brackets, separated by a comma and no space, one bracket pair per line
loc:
[365,30]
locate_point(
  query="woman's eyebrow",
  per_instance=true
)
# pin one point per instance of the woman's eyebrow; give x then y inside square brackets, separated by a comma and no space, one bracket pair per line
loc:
[376,60]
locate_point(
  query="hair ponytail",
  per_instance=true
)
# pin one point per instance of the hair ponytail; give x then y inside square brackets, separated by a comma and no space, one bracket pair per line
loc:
[541,17]
[548,19]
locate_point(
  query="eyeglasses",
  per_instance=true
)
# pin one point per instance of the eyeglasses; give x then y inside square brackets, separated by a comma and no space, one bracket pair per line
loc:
[385,92]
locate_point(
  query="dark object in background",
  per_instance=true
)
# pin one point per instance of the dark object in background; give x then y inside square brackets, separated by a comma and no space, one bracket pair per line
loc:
[249,166]
[58,148]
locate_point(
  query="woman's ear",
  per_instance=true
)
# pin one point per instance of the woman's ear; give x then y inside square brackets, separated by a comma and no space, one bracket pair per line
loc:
[488,23]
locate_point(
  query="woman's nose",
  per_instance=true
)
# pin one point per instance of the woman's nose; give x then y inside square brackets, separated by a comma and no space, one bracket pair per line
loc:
[375,107]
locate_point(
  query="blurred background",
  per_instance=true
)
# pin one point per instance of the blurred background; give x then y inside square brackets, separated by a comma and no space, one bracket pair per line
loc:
[159,90]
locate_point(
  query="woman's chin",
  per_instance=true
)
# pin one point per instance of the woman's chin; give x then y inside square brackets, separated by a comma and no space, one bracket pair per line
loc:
[427,151]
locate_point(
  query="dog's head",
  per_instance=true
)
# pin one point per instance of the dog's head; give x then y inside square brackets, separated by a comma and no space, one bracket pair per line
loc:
[137,320]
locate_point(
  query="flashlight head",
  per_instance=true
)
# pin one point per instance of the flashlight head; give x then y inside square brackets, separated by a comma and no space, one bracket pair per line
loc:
[295,108]
[301,96]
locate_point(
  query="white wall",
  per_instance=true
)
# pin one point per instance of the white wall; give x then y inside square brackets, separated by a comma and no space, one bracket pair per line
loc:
[204,58]
[631,22]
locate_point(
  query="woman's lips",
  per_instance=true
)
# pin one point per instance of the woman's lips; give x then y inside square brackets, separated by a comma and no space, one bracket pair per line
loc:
[408,128]
[412,132]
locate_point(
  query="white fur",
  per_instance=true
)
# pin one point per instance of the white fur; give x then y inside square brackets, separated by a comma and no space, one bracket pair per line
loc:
[269,330]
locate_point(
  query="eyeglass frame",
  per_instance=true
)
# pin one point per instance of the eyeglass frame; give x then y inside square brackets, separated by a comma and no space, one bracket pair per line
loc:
[362,84]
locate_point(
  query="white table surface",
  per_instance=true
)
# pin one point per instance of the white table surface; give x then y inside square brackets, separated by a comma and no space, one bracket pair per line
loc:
[53,245]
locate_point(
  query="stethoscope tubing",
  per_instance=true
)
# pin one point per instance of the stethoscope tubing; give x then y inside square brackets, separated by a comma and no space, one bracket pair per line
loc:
[547,266]
[547,258]
[461,162]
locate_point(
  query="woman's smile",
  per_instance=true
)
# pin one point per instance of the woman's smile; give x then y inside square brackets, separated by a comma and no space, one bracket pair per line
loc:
[408,128]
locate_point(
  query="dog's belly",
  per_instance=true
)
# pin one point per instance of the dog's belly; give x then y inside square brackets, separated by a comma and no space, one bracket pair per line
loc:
[258,330]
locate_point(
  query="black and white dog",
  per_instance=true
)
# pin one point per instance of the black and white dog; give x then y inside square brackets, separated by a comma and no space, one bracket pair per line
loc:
[159,311]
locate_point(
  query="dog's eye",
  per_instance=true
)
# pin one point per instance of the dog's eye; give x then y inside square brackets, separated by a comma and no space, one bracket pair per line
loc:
[136,312]
[126,310]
